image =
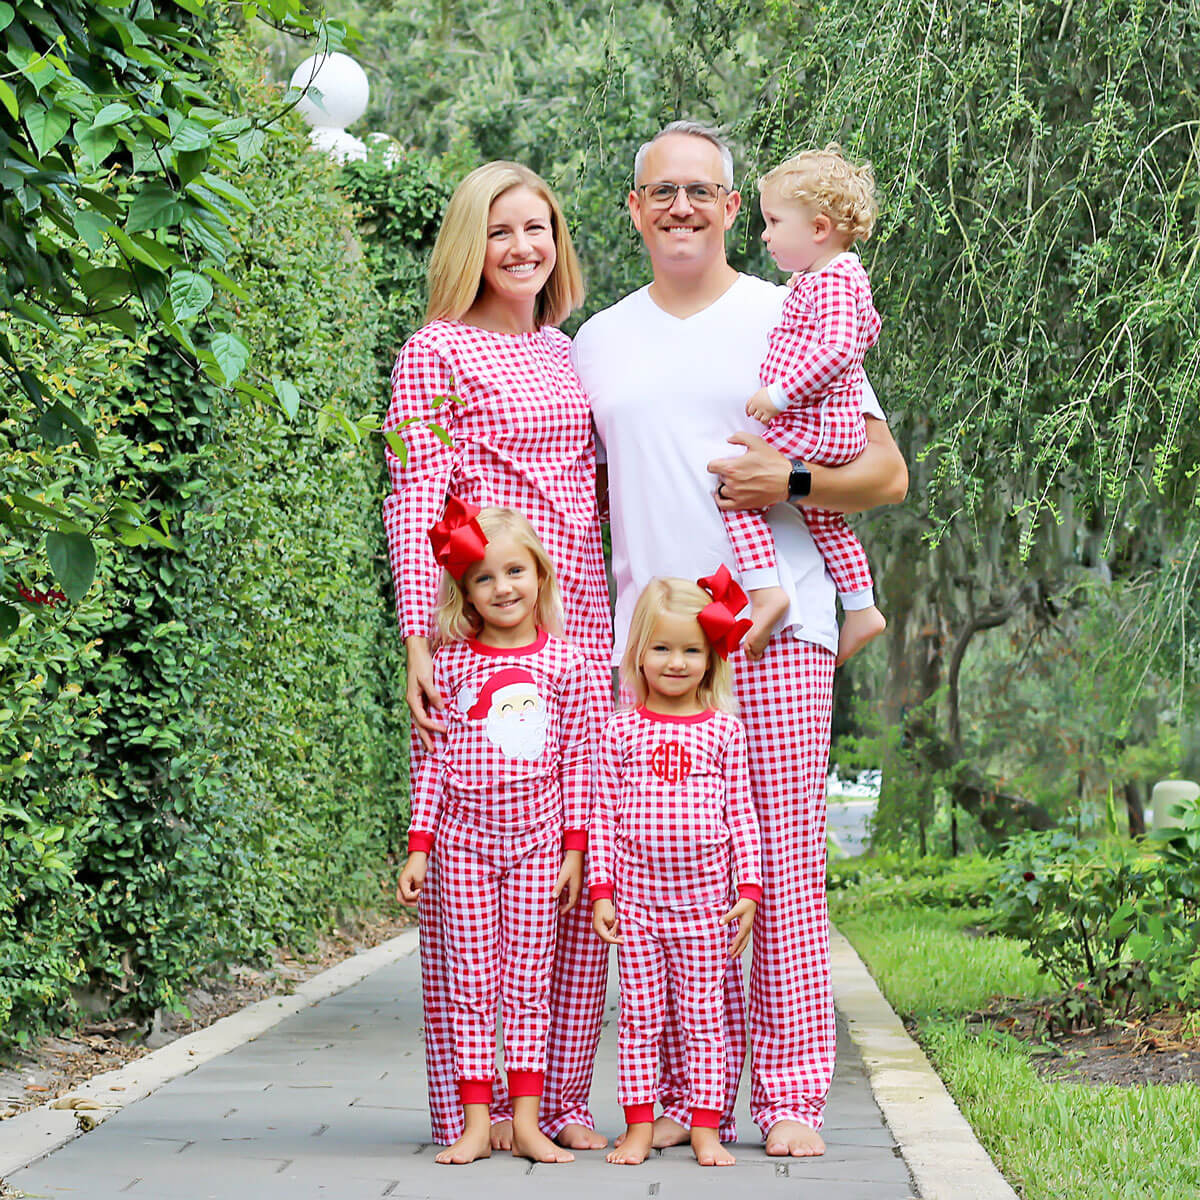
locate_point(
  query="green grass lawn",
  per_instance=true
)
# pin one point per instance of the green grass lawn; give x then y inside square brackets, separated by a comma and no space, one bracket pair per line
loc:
[1053,1141]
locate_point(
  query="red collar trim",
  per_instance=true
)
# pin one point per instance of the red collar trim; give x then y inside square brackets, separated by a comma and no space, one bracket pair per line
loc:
[510,651]
[668,719]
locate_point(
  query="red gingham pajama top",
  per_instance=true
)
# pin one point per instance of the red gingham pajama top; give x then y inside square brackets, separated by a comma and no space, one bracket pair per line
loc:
[814,367]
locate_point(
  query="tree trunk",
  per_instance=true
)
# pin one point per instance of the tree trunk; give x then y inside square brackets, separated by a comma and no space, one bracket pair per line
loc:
[1136,808]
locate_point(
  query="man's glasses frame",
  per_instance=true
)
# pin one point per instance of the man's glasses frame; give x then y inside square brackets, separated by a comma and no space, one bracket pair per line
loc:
[699,193]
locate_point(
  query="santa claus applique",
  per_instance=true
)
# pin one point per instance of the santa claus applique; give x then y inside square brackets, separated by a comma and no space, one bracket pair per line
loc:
[513,713]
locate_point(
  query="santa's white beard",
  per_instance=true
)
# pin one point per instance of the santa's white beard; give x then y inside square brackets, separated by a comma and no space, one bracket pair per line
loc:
[520,735]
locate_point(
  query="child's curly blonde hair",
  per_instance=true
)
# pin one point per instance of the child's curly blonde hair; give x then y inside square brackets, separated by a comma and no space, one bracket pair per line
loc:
[833,185]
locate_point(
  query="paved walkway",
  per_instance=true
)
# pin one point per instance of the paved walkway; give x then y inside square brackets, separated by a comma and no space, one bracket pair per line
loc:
[330,1103]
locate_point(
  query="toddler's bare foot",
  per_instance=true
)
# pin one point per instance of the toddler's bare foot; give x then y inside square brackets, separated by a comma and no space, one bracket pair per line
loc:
[668,1132]
[767,605]
[794,1138]
[858,628]
[580,1137]
[474,1143]
[533,1143]
[634,1144]
[709,1152]
[502,1135]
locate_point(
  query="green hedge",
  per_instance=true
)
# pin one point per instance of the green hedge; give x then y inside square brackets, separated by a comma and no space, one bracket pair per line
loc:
[205,756]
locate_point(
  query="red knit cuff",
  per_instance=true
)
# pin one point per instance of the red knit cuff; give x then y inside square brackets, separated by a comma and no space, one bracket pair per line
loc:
[575,839]
[526,1083]
[750,891]
[420,841]
[601,891]
[639,1114]
[706,1118]
[475,1091]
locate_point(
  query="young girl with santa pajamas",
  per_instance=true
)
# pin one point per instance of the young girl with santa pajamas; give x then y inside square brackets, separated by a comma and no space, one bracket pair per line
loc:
[672,831]
[815,206]
[504,802]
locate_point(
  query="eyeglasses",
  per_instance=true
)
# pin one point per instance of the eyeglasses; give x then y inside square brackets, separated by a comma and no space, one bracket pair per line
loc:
[700,195]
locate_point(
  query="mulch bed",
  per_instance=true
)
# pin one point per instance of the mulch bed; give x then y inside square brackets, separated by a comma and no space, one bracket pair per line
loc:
[55,1065]
[1163,1047]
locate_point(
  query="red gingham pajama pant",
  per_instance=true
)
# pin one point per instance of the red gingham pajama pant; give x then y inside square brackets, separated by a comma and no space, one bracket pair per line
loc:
[499,924]
[679,954]
[832,439]
[786,703]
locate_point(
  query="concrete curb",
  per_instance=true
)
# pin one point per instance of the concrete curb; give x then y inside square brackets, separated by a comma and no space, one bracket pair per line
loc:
[941,1150]
[32,1135]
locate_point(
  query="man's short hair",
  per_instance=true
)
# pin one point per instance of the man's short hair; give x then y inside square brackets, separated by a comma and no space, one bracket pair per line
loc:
[691,129]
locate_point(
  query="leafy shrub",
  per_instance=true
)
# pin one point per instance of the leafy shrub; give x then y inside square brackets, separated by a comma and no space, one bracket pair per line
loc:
[896,880]
[1117,927]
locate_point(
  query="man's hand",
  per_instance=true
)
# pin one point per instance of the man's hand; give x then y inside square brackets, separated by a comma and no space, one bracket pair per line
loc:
[606,922]
[412,877]
[422,695]
[569,883]
[761,407]
[743,913]
[756,479]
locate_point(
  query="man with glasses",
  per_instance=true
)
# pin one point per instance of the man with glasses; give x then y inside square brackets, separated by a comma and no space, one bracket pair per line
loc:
[668,370]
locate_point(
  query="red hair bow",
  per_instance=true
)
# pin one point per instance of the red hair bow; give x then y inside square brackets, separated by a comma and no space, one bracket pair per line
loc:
[719,620]
[458,541]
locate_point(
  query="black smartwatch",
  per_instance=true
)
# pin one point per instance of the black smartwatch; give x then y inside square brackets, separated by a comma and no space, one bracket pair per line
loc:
[799,481]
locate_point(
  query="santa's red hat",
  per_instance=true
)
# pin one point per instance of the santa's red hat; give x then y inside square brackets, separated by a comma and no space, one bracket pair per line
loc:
[516,680]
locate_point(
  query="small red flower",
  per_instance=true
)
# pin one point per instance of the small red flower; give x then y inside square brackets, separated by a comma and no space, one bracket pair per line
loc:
[48,599]
[1029,876]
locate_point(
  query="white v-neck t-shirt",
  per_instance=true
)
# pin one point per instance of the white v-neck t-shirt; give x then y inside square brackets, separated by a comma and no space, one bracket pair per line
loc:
[666,393]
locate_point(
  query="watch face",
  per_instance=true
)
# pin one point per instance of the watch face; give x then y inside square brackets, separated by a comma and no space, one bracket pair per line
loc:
[799,482]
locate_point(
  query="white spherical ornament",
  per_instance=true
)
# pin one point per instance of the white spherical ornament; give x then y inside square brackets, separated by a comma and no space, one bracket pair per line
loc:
[343,87]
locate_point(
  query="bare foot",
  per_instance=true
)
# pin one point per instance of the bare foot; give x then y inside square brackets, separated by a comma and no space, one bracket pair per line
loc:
[473,1144]
[767,605]
[580,1137]
[709,1152]
[633,1145]
[533,1143]
[502,1135]
[794,1138]
[668,1132]
[859,626]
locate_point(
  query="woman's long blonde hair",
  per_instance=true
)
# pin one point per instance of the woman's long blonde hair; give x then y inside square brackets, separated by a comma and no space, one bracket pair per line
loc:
[455,617]
[456,265]
[681,598]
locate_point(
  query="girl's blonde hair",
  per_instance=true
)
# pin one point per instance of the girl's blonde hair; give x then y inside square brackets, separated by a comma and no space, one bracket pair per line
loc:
[455,616]
[830,183]
[681,598]
[456,265]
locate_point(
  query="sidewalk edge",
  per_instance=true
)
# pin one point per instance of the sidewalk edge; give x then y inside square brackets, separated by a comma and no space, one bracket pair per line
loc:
[941,1150]
[32,1135]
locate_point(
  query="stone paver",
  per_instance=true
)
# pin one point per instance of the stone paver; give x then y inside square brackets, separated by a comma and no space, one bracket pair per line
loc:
[330,1103]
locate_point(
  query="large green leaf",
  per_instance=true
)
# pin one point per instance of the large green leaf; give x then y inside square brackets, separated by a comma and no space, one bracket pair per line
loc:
[111,114]
[288,394]
[94,144]
[73,561]
[155,206]
[191,294]
[106,285]
[9,620]
[9,99]
[59,425]
[231,353]
[46,127]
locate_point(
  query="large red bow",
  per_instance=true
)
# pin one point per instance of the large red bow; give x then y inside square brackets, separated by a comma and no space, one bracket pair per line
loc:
[719,620]
[457,539]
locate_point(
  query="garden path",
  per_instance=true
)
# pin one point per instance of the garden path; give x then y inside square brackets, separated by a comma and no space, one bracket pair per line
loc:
[330,1103]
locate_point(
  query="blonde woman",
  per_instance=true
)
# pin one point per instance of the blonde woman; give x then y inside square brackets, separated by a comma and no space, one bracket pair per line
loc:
[490,368]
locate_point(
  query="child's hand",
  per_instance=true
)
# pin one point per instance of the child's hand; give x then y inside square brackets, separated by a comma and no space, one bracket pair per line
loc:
[743,913]
[569,883]
[606,922]
[759,406]
[412,877]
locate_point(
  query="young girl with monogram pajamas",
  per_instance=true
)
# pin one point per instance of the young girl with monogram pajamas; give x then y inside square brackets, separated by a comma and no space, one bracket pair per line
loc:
[815,206]
[504,802]
[672,832]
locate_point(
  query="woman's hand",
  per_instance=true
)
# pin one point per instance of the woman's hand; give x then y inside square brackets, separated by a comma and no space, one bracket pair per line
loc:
[422,695]
[412,877]
[606,922]
[743,913]
[570,881]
